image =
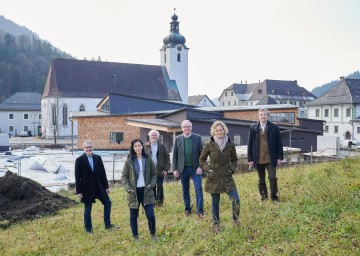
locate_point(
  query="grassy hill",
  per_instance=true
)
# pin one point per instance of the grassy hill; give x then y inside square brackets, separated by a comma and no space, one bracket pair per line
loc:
[318,214]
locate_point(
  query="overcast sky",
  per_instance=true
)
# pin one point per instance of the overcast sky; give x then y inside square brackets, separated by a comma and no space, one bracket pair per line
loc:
[311,41]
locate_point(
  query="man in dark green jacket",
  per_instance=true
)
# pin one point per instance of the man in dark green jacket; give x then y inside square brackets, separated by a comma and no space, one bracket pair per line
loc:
[161,158]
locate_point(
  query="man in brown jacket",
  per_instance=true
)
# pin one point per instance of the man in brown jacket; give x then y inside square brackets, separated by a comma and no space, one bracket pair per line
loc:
[161,158]
[265,150]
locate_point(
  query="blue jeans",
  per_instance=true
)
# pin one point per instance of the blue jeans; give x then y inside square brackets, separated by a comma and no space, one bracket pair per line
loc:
[105,200]
[149,212]
[185,182]
[235,201]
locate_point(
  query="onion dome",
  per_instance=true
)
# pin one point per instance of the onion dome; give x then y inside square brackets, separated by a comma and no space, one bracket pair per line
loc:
[174,38]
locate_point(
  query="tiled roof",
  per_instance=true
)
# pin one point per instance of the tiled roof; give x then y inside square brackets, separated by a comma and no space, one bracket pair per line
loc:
[280,89]
[22,101]
[94,79]
[194,100]
[267,100]
[347,91]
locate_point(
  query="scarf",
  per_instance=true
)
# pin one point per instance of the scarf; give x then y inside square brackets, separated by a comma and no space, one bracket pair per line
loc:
[221,142]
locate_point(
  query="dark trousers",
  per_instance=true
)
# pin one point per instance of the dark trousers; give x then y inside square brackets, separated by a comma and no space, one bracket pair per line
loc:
[105,200]
[149,212]
[159,189]
[272,178]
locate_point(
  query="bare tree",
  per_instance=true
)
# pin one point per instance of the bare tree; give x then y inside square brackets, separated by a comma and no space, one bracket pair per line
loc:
[55,115]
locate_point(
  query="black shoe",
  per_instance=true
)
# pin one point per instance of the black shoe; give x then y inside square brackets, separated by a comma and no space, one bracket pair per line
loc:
[187,213]
[111,226]
[89,232]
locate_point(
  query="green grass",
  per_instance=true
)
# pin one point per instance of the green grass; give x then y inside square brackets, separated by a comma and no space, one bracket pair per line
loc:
[319,214]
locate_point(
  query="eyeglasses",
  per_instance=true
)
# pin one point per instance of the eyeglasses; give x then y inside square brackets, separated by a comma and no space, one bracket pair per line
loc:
[186,126]
[87,147]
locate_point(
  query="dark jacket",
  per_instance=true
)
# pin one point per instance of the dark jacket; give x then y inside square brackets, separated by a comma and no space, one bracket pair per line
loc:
[178,159]
[84,178]
[162,155]
[273,140]
[221,167]
[130,177]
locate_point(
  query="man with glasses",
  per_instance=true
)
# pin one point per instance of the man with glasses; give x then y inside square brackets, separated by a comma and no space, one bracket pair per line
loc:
[91,183]
[185,161]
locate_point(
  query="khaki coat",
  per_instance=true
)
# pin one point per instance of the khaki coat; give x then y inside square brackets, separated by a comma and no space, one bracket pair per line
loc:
[220,167]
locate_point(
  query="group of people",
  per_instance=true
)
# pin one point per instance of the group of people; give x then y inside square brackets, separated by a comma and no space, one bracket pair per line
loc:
[148,163]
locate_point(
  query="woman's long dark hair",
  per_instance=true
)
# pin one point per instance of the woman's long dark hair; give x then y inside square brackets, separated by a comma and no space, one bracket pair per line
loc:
[132,151]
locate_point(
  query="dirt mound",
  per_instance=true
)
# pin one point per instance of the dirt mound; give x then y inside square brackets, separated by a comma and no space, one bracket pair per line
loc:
[22,199]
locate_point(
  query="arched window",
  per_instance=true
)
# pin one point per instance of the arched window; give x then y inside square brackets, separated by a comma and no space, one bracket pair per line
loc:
[82,108]
[347,135]
[178,57]
[54,114]
[65,114]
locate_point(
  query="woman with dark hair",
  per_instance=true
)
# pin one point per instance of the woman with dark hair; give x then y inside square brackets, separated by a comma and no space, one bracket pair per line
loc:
[139,179]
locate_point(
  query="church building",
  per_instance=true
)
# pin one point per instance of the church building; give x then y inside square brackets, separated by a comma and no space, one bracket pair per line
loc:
[79,85]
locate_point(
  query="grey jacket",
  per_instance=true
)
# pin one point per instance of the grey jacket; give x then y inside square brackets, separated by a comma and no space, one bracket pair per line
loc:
[178,158]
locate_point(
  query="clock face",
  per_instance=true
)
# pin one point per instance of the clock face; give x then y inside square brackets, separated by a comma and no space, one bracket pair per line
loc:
[179,48]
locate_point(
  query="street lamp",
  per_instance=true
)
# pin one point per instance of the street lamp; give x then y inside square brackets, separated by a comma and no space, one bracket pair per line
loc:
[72,135]
[34,125]
[352,122]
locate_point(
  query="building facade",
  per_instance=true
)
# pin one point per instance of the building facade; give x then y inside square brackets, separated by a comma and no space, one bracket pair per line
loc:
[339,108]
[21,113]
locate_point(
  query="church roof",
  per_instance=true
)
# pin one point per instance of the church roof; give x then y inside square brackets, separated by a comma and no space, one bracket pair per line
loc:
[95,79]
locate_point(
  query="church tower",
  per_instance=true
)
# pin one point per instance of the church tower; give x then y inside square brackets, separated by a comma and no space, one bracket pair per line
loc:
[174,56]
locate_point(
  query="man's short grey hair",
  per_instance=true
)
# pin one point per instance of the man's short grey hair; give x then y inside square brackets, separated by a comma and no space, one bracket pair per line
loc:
[152,131]
[185,121]
[264,110]
[88,142]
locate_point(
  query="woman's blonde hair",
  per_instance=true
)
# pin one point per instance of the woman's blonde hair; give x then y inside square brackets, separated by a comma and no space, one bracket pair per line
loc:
[215,124]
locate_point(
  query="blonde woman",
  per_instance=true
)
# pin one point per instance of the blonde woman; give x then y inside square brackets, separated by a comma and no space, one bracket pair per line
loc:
[223,159]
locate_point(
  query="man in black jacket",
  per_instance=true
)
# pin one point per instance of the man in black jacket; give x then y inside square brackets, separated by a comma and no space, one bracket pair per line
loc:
[265,150]
[91,183]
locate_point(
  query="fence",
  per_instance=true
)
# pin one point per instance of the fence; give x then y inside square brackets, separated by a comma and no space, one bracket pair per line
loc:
[55,169]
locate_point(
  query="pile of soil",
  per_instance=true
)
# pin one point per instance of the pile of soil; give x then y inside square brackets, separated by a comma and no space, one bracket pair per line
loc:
[23,199]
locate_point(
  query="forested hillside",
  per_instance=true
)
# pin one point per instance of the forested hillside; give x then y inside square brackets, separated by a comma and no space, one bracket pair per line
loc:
[24,59]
